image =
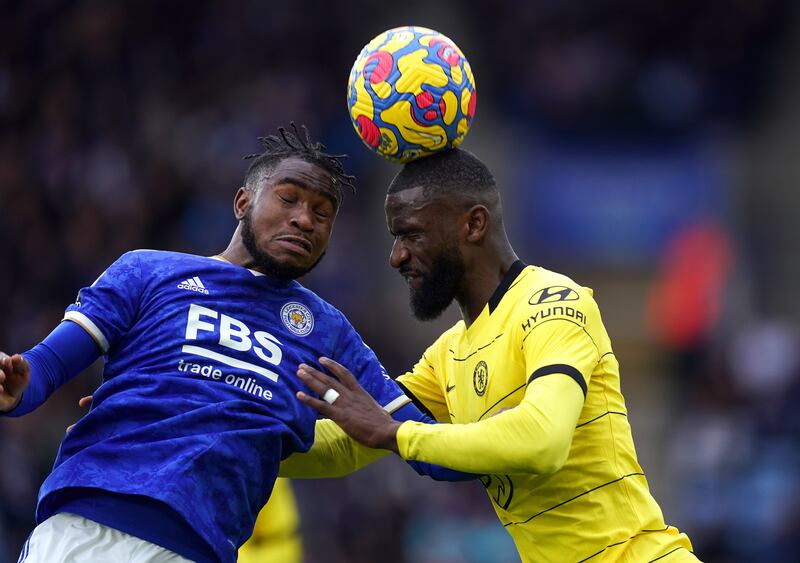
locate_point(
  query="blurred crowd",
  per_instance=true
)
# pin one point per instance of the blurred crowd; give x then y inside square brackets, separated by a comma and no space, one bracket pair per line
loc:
[615,129]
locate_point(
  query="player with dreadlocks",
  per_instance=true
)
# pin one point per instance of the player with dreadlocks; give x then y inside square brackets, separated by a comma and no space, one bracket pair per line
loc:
[197,408]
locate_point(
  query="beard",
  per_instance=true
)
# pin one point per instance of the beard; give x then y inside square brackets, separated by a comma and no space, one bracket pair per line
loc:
[265,263]
[439,286]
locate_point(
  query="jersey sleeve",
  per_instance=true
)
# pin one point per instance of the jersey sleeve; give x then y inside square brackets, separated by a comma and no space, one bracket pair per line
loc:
[355,355]
[108,308]
[532,438]
[333,454]
[423,385]
[562,338]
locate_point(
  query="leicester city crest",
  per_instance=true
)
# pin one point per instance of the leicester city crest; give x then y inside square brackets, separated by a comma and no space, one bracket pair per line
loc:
[297,318]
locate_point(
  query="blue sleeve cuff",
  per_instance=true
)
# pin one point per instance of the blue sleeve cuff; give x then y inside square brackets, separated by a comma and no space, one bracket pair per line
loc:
[66,352]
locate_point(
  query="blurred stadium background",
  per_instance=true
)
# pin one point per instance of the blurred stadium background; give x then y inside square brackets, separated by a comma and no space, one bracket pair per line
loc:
[647,149]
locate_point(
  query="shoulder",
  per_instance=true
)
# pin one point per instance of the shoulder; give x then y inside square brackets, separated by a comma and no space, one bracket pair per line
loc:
[303,311]
[145,256]
[545,296]
[540,286]
[309,298]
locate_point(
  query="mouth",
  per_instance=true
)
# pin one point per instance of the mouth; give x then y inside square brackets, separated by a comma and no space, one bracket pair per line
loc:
[413,278]
[296,244]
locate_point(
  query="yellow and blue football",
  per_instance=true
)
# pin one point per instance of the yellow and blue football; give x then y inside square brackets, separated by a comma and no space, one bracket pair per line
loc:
[411,94]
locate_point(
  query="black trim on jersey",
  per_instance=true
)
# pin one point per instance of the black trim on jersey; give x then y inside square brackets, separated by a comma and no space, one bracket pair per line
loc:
[417,403]
[669,553]
[601,416]
[478,349]
[626,541]
[573,498]
[505,283]
[561,368]
[500,401]
[569,321]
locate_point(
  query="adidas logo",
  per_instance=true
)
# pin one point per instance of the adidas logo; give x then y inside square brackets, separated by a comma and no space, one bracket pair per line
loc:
[193,284]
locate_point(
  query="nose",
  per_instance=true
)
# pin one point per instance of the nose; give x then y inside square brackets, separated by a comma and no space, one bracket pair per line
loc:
[302,218]
[398,255]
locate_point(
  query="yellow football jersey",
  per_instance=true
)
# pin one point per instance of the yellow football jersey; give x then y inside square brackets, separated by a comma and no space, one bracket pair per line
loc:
[597,507]
[276,536]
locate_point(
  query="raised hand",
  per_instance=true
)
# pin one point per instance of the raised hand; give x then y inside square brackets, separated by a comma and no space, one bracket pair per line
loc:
[348,405]
[15,374]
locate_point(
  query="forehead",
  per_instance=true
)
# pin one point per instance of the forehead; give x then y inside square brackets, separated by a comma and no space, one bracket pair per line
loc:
[414,205]
[295,170]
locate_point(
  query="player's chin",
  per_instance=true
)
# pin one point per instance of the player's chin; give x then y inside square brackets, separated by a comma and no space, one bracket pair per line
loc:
[298,262]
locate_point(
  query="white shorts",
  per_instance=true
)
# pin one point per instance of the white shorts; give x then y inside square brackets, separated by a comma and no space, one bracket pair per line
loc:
[70,538]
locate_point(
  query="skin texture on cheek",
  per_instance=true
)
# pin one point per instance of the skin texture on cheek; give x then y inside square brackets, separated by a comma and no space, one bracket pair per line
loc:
[270,220]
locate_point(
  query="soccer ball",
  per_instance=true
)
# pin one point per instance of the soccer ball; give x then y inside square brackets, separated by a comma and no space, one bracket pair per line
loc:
[411,93]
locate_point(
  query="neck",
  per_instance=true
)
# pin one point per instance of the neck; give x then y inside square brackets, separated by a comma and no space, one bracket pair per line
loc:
[236,253]
[481,282]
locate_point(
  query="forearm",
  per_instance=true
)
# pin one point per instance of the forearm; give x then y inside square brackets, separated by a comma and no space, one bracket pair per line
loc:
[67,351]
[411,412]
[533,437]
[334,454]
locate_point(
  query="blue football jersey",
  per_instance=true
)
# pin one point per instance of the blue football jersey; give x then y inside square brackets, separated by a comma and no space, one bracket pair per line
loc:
[197,406]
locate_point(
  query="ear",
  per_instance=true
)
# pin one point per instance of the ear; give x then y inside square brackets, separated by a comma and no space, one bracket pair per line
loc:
[242,201]
[477,223]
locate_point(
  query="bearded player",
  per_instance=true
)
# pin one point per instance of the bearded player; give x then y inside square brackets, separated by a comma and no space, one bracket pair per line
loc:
[527,380]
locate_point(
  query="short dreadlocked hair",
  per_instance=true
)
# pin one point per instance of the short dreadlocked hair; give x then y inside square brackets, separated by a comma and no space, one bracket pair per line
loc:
[289,144]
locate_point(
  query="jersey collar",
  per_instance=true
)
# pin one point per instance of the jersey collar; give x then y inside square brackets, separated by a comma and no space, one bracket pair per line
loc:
[512,273]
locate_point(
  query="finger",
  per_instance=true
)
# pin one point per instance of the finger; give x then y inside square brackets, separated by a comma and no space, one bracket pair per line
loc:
[19,364]
[70,427]
[321,407]
[85,402]
[342,373]
[316,380]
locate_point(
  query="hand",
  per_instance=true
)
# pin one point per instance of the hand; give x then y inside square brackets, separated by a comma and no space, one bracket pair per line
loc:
[84,403]
[354,410]
[15,374]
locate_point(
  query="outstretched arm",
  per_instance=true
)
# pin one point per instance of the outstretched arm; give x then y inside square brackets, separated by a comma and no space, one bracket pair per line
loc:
[533,437]
[66,352]
[335,454]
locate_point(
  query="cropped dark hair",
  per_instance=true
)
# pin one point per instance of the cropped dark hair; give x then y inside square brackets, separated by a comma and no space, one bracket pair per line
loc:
[448,172]
[287,144]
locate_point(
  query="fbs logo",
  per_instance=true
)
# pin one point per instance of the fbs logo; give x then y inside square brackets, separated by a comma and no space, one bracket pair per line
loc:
[480,377]
[553,294]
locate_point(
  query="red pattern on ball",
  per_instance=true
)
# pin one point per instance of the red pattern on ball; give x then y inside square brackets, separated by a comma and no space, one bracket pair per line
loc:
[369,131]
[424,99]
[378,72]
[472,102]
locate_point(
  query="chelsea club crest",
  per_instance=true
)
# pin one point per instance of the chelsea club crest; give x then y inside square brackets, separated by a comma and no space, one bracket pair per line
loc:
[297,318]
[480,377]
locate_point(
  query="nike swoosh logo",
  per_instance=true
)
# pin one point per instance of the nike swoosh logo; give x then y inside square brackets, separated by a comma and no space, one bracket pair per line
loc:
[450,387]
